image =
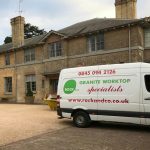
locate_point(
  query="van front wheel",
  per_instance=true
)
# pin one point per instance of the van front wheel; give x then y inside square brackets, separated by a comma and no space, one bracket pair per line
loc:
[81,119]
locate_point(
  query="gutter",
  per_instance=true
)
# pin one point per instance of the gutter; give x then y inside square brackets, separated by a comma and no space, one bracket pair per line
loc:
[16,74]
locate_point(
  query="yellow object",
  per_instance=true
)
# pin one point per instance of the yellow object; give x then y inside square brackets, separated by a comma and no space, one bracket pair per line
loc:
[51,103]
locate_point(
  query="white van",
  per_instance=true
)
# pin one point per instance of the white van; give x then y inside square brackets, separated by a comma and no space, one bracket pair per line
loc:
[118,93]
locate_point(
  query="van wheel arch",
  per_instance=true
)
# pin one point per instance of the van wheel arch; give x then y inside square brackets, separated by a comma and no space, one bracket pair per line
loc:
[81,118]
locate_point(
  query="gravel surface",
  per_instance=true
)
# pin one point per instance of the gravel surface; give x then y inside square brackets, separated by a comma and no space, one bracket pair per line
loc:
[18,121]
[35,127]
[97,137]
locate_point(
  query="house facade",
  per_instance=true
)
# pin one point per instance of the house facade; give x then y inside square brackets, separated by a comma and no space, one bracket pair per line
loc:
[37,62]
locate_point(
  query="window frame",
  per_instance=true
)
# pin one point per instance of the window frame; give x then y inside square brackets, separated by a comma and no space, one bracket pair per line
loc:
[7,58]
[147,37]
[43,83]
[8,89]
[29,55]
[55,49]
[31,81]
[96,42]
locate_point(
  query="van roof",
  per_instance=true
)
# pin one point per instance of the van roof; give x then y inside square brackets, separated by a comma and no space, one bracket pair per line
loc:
[112,66]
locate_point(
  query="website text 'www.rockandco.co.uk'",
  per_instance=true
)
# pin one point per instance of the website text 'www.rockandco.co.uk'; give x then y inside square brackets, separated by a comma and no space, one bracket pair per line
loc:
[97,101]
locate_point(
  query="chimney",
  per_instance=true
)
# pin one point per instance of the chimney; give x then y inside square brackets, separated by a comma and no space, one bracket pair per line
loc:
[126,9]
[17,25]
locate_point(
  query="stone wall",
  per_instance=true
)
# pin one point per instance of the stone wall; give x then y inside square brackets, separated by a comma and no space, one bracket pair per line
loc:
[8,72]
[22,71]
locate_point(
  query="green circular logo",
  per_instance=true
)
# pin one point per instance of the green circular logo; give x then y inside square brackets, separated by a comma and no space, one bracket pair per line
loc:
[69,86]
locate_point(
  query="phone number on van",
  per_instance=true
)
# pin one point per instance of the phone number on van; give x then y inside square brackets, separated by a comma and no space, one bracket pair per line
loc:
[97,72]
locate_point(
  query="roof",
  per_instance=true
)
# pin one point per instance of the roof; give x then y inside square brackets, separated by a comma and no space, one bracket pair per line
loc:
[52,32]
[27,42]
[34,40]
[84,27]
[5,47]
[95,25]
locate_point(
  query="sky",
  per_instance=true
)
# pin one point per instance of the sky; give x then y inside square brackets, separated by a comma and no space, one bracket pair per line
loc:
[58,14]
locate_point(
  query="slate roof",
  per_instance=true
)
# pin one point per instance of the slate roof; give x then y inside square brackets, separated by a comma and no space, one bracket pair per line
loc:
[5,47]
[95,25]
[76,29]
[27,42]
[34,40]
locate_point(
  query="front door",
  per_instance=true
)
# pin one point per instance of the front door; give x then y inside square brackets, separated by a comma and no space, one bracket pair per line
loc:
[53,85]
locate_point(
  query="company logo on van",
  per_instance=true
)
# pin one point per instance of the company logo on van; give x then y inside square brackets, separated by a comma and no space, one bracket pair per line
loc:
[69,86]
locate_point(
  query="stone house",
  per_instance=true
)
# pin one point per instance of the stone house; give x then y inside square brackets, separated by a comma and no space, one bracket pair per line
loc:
[36,62]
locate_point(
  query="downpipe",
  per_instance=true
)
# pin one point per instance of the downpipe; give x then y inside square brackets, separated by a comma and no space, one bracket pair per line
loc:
[129,48]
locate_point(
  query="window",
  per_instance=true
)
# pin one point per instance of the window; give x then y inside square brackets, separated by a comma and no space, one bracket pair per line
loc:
[29,55]
[147,82]
[54,84]
[30,82]
[7,58]
[43,83]
[55,49]
[8,84]
[96,42]
[147,37]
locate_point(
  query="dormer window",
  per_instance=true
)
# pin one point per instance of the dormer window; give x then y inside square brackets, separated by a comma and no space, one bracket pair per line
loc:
[55,49]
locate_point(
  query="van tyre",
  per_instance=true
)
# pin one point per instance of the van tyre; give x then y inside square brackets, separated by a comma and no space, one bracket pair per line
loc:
[81,119]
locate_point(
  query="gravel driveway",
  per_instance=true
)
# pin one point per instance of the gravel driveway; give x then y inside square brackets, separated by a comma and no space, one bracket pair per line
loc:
[18,121]
[97,137]
[32,127]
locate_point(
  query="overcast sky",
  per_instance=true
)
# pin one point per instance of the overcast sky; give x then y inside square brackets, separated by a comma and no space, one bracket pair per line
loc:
[57,14]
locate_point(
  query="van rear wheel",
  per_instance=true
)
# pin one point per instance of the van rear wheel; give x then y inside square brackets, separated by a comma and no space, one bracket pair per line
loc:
[81,119]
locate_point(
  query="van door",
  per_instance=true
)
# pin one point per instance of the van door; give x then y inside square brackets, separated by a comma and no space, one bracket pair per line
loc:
[119,98]
[146,97]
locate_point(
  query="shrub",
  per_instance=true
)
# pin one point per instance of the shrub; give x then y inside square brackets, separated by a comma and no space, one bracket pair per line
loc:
[29,92]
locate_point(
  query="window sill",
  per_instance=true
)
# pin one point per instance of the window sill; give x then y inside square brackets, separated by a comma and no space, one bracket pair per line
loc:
[100,50]
[34,92]
[29,62]
[11,65]
[146,48]
[8,93]
[54,56]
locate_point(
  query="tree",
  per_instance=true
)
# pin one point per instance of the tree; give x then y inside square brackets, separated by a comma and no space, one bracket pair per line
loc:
[8,39]
[29,32]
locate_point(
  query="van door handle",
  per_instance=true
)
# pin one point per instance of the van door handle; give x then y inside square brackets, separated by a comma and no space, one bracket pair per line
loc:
[147,99]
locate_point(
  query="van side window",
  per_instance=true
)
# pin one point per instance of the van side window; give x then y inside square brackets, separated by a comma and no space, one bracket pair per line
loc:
[147,82]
